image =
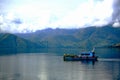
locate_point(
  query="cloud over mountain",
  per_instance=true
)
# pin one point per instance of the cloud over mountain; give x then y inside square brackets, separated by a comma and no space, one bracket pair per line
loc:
[29,16]
[116,12]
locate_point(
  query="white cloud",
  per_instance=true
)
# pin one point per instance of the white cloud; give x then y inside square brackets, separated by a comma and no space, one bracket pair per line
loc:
[1,19]
[42,15]
[116,24]
[92,13]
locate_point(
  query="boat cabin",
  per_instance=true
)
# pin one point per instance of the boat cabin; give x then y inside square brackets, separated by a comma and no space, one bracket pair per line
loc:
[87,54]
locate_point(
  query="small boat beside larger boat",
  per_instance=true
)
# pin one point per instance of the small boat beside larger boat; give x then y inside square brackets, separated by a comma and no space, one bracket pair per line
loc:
[90,56]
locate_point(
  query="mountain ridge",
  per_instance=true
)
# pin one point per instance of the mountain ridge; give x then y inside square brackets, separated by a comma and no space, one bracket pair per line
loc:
[106,36]
[83,37]
[14,44]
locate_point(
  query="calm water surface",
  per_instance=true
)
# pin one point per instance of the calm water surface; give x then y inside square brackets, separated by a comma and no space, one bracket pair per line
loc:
[44,66]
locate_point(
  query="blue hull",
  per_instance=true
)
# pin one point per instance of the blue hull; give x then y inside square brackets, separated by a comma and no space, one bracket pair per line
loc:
[79,58]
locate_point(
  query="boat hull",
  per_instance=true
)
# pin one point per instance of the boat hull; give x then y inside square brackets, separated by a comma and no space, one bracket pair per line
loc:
[69,58]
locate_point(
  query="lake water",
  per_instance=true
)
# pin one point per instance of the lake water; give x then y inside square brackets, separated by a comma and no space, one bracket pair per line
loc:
[50,66]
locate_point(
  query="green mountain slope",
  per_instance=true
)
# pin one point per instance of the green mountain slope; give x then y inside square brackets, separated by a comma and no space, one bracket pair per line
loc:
[101,36]
[84,37]
[10,43]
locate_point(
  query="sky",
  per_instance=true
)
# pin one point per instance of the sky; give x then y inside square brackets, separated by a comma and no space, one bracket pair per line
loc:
[32,15]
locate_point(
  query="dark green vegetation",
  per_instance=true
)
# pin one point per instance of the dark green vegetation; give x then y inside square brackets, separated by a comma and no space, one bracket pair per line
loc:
[106,36]
[75,38]
[10,43]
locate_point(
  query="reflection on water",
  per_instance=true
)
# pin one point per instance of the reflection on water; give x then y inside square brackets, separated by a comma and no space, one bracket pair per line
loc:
[52,67]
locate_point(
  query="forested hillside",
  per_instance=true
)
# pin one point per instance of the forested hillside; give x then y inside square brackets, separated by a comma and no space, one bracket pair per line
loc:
[75,38]
[10,43]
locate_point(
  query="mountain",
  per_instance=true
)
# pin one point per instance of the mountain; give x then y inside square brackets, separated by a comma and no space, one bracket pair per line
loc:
[115,45]
[75,38]
[10,43]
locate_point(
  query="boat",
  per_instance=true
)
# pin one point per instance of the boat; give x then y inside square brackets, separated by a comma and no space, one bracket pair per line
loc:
[88,56]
